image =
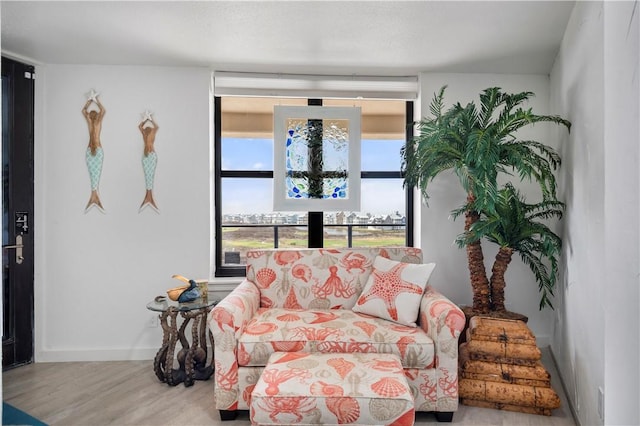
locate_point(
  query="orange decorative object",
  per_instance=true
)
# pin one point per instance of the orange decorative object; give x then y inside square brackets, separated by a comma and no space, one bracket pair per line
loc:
[178,293]
[175,292]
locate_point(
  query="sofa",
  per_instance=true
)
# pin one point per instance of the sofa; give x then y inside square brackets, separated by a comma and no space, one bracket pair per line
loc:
[370,300]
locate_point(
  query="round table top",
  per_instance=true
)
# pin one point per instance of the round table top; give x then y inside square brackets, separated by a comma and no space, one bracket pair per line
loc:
[165,304]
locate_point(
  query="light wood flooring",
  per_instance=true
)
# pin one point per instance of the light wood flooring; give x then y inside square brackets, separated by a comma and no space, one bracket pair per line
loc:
[128,393]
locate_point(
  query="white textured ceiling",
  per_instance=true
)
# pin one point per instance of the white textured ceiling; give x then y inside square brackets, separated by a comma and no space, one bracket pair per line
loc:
[320,37]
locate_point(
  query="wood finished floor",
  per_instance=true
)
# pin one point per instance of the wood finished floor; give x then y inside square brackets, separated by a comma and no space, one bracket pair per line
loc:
[128,393]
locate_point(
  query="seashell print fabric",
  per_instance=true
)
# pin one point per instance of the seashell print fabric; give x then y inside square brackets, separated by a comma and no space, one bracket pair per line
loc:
[225,323]
[321,278]
[443,321]
[332,389]
[336,330]
[433,384]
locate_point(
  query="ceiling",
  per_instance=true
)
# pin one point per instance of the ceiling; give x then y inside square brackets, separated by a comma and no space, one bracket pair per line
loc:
[318,37]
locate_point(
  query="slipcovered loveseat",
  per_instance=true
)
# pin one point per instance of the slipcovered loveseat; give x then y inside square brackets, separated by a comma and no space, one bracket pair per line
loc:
[373,300]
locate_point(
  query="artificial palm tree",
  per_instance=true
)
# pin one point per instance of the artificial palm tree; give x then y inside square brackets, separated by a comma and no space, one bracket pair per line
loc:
[478,144]
[515,227]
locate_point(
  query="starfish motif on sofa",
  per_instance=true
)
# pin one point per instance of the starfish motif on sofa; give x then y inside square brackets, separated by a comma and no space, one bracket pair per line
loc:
[387,285]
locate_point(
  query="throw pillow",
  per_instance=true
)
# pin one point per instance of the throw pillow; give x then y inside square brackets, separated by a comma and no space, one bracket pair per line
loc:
[394,290]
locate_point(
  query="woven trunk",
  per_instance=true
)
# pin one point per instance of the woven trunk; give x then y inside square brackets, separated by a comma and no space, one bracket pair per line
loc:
[501,372]
[509,394]
[500,368]
[506,379]
[507,407]
[510,353]
[504,360]
[501,341]
[500,330]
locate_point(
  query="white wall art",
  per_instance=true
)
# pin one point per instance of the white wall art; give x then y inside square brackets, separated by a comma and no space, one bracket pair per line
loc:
[94,112]
[148,127]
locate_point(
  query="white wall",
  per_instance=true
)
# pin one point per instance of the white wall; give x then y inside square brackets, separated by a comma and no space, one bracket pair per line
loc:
[595,82]
[439,231]
[622,222]
[105,267]
[95,272]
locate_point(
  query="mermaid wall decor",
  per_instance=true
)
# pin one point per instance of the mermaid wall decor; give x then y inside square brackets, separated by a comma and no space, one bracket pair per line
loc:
[148,127]
[94,155]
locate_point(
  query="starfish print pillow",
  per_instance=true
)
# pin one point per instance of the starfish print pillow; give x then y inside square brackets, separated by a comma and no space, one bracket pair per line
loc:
[394,290]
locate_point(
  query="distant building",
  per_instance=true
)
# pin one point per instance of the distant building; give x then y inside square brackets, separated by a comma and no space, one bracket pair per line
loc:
[253,219]
[233,218]
[291,219]
[329,219]
[362,219]
[339,218]
[377,221]
[398,221]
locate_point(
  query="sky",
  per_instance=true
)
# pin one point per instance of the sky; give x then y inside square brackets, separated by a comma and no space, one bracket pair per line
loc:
[378,196]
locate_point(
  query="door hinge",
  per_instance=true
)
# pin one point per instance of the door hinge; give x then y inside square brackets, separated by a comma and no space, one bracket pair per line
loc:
[30,75]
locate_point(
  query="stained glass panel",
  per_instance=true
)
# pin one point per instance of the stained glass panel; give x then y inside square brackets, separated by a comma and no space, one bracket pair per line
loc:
[300,155]
[318,165]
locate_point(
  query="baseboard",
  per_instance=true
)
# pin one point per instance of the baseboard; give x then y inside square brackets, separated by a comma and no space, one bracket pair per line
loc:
[543,341]
[564,387]
[137,354]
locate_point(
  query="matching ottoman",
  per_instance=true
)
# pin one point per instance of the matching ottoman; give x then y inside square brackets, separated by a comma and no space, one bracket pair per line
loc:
[332,389]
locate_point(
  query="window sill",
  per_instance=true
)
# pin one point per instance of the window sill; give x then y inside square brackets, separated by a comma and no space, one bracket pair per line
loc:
[224,283]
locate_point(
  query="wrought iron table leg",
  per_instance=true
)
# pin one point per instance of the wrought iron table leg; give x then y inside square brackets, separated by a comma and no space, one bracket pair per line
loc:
[173,377]
[159,362]
[192,358]
[186,354]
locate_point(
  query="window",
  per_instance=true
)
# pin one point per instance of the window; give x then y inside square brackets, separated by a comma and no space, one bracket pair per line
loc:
[244,216]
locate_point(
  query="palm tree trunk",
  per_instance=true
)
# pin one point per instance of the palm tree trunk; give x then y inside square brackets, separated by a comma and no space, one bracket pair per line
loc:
[503,258]
[477,271]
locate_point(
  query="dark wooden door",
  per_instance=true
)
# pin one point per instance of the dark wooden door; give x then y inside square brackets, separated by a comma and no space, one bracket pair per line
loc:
[17,213]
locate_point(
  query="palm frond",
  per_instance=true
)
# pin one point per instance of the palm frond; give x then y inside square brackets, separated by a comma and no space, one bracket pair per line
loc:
[545,151]
[531,166]
[437,103]
[521,118]
[545,210]
[490,99]
[546,281]
[456,213]
[510,102]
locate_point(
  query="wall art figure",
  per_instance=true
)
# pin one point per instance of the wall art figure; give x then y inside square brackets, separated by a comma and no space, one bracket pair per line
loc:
[148,127]
[94,155]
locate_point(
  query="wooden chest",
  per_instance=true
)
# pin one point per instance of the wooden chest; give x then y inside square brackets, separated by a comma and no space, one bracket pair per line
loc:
[500,368]
[502,341]
[535,375]
[500,330]
[505,396]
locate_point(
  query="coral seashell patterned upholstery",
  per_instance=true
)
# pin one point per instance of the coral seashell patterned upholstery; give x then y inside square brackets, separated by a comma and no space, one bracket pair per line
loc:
[332,389]
[317,278]
[330,331]
[300,301]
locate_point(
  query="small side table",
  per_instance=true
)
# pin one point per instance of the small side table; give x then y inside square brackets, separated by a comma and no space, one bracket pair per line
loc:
[192,358]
